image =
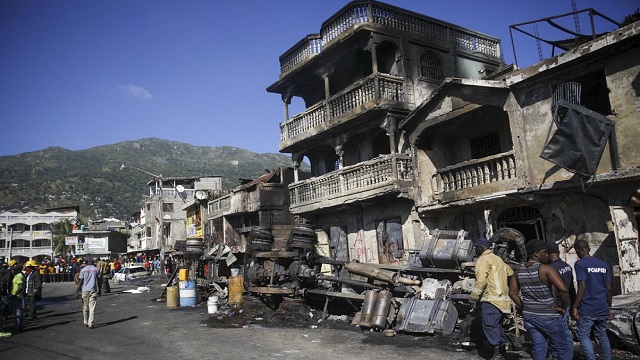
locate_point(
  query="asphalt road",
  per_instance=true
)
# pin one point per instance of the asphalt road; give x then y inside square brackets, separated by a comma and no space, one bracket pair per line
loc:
[136,325]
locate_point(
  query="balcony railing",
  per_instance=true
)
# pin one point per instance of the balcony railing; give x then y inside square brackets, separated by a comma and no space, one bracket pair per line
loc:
[473,173]
[220,204]
[351,179]
[369,12]
[35,234]
[304,49]
[359,93]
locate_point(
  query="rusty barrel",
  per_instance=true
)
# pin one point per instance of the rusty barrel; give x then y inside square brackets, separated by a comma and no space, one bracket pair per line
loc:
[236,288]
[172,296]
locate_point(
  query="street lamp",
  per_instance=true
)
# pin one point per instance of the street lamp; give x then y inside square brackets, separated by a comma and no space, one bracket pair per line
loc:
[122,167]
[160,225]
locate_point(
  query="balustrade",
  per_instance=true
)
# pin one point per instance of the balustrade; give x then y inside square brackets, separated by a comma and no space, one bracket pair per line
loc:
[475,173]
[365,12]
[351,179]
[359,93]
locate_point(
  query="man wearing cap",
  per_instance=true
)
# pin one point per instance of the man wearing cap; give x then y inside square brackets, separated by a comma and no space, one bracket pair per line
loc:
[33,289]
[566,273]
[592,307]
[530,290]
[491,290]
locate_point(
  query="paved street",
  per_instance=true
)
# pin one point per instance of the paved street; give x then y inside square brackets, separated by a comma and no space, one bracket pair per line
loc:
[133,325]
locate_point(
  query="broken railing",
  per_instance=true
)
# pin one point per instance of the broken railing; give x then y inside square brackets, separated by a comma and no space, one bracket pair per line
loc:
[473,173]
[219,205]
[351,179]
[382,86]
[363,12]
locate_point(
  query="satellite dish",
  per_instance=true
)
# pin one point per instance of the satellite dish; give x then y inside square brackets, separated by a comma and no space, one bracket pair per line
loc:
[201,195]
[180,188]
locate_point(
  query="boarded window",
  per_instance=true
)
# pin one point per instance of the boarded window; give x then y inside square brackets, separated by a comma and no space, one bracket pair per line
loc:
[167,207]
[431,66]
[486,145]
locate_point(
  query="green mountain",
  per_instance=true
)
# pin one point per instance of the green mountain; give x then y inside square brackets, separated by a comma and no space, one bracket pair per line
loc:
[92,179]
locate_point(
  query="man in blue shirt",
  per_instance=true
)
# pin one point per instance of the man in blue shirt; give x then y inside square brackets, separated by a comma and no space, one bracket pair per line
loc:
[592,307]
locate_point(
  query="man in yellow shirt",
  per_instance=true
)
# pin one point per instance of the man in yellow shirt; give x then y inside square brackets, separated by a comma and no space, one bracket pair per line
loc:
[492,291]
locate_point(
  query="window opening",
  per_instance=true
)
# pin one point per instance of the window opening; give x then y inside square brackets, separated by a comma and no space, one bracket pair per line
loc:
[431,66]
[484,146]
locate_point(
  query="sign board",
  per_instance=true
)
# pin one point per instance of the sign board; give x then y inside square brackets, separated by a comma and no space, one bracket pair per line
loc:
[71,240]
[94,243]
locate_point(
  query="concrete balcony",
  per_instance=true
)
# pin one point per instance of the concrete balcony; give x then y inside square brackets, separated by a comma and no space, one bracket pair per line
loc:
[365,180]
[368,13]
[370,90]
[28,252]
[26,235]
[492,174]
[244,201]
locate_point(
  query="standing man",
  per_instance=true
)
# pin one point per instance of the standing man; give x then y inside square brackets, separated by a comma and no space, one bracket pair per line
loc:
[17,289]
[89,283]
[592,307]
[566,273]
[103,267]
[491,290]
[542,319]
[33,289]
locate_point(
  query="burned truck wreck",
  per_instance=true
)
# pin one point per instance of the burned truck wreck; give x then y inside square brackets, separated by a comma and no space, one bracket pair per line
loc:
[427,294]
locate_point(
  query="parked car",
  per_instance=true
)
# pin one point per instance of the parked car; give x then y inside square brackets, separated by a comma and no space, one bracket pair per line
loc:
[130,273]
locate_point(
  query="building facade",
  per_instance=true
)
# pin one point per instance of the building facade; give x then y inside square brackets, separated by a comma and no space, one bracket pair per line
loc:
[370,66]
[163,217]
[26,236]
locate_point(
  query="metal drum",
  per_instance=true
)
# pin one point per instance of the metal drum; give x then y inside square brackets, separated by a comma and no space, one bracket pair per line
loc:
[446,249]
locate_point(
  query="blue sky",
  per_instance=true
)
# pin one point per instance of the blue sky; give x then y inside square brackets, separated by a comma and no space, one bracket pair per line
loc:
[79,74]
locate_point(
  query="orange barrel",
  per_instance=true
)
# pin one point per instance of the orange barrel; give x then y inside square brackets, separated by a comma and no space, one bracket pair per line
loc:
[172,296]
[184,274]
[236,288]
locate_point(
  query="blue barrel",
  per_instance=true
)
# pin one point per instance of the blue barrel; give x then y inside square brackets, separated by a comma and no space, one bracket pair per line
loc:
[188,293]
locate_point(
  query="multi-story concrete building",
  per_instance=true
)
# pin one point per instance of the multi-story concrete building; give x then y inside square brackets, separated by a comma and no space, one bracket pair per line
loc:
[550,150]
[163,216]
[25,236]
[371,65]
[414,125]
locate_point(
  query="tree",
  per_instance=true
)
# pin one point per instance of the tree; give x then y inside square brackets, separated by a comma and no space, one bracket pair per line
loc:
[61,230]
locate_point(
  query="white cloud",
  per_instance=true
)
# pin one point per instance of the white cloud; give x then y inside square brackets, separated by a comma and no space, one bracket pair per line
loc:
[135,91]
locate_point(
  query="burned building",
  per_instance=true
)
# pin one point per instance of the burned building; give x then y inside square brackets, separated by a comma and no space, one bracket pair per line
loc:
[550,150]
[370,66]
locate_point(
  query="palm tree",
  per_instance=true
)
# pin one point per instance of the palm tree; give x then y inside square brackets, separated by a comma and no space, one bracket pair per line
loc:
[61,230]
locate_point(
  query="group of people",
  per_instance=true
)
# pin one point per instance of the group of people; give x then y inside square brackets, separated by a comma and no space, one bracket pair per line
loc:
[20,288]
[543,290]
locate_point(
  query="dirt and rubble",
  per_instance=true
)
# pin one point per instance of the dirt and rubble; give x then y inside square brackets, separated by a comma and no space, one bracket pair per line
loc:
[291,313]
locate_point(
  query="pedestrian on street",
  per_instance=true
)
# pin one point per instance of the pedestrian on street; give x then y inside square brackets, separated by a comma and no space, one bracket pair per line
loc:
[566,273]
[592,307]
[103,267]
[5,289]
[89,284]
[16,297]
[491,290]
[33,289]
[530,290]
